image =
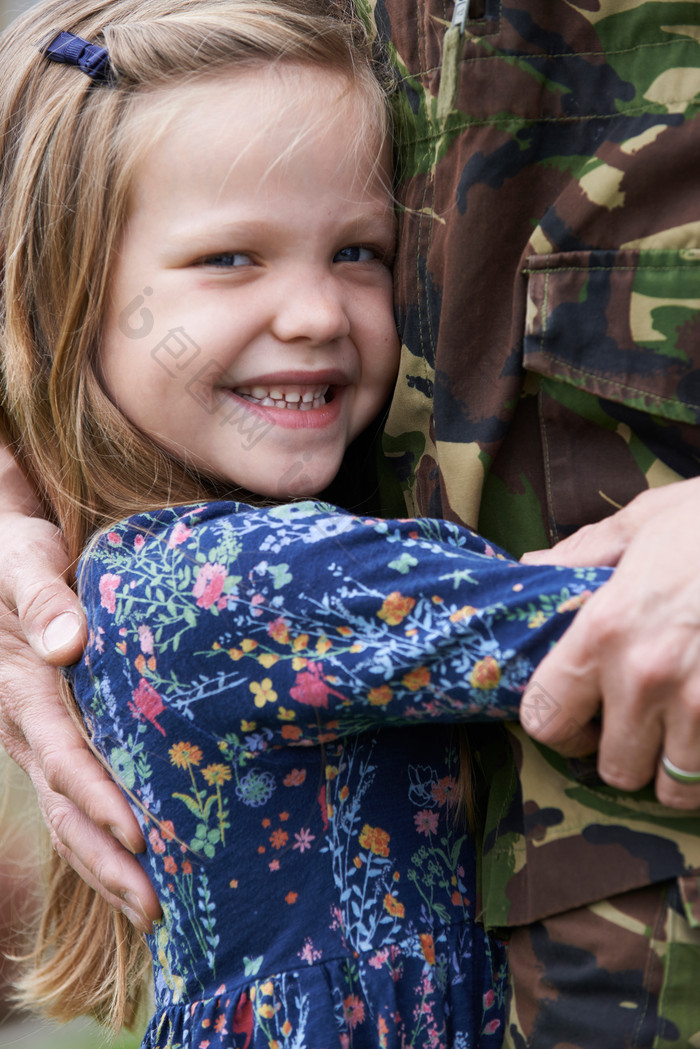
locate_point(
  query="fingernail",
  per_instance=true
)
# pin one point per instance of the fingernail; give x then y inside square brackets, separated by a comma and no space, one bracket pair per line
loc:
[133,910]
[123,840]
[136,920]
[61,631]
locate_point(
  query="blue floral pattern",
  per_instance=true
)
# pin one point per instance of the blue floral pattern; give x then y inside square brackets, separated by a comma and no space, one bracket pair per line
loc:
[276,690]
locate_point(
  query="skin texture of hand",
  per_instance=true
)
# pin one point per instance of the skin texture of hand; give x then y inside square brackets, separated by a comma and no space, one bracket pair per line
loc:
[90,822]
[633,651]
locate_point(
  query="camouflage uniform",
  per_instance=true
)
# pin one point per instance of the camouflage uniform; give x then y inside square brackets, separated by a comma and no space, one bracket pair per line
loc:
[548,290]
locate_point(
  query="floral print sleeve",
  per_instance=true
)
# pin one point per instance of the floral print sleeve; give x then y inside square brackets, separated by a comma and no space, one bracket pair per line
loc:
[255,678]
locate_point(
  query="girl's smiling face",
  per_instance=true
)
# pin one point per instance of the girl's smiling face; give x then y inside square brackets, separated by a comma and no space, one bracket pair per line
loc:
[250,329]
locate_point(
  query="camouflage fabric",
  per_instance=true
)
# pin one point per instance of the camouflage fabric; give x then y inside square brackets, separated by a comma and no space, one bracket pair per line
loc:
[548,290]
[562,991]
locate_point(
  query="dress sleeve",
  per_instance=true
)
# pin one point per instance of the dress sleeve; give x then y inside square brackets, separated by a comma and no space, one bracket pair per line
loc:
[312,623]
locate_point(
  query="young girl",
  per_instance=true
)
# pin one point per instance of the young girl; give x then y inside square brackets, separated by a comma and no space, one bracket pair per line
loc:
[197,229]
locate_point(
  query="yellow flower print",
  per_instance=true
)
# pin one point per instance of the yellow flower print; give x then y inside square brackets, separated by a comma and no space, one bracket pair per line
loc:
[266,1010]
[216,775]
[248,644]
[299,642]
[462,613]
[299,662]
[395,608]
[263,692]
[183,755]
[286,715]
[235,654]
[248,726]
[322,645]
[537,619]
[375,839]
[268,659]
[486,673]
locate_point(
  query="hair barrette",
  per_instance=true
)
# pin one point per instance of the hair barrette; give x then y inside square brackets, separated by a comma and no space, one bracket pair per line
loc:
[90,59]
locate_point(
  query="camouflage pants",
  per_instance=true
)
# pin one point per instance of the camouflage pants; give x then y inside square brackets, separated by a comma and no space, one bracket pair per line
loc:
[622,974]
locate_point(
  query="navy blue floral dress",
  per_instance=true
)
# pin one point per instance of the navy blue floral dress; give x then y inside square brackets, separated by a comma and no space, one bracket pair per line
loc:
[276,689]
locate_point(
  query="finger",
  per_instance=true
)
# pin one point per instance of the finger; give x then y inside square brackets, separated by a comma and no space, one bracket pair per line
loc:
[597,544]
[681,745]
[105,865]
[562,699]
[61,763]
[33,583]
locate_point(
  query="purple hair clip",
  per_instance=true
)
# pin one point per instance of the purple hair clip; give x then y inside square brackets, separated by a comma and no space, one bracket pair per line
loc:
[89,58]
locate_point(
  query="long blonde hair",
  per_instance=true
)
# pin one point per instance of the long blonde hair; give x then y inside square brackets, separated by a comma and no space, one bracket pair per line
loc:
[68,157]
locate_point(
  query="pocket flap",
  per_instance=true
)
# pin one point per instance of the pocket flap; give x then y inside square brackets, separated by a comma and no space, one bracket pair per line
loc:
[623,325]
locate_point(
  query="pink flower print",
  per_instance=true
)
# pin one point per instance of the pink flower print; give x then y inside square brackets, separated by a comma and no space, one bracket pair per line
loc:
[489,999]
[139,540]
[147,704]
[310,688]
[303,839]
[114,539]
[209,584]
[146,639]
[108,586]
[492,1026]
[178,535]
[379,959]
[426,822]
[157,843]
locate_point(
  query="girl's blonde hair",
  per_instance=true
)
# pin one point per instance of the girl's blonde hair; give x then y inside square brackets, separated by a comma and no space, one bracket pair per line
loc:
[69,151]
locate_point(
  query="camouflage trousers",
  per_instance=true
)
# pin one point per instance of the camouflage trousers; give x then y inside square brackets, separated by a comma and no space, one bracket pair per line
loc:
[622,974]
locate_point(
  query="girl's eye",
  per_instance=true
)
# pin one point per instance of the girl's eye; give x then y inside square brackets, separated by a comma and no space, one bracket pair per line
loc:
[354,254]
[228,260]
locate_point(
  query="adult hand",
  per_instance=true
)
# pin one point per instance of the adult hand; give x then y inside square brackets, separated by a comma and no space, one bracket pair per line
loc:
[89,820]
[633,649]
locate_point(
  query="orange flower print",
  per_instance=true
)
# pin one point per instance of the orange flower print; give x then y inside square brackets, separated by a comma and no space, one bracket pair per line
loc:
[375,839]
[167,829]
[295,778]
[443,791]
[393,906]
[170,865]
[379,697]
[395,608]
[575,602]
[286,1028]
[216,775]
[462,613]
[291,897]
[183,755]
[427,946]
[353,1010]
[418,678]
[486,673]
[279,838]
[292,732]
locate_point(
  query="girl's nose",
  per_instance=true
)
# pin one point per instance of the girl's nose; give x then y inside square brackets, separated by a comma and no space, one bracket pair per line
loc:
[312,309]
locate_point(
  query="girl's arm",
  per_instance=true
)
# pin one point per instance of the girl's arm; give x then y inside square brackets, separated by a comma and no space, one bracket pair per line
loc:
[313,623]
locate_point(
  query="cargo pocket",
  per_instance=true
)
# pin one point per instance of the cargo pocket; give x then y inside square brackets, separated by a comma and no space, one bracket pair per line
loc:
[614,340]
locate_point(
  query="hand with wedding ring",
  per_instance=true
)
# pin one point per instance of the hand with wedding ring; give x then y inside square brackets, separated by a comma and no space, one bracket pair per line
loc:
[633,651]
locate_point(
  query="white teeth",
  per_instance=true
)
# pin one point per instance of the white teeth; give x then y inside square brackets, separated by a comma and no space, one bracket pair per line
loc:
[295,399]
